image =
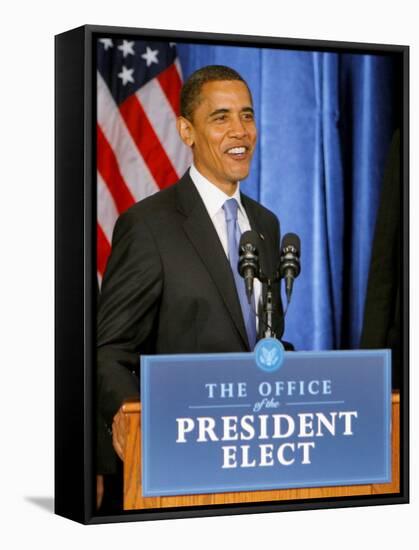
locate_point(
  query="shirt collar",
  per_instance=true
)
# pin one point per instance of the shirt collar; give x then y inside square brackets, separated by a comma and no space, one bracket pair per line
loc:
[211,195]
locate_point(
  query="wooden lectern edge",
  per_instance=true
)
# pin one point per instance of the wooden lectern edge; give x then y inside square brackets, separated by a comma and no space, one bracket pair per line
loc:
[131,406]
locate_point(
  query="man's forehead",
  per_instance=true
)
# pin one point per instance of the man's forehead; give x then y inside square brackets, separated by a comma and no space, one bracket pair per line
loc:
[221,87]
[225,90]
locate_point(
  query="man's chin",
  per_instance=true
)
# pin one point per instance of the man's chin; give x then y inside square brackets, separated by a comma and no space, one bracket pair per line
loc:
[240,169]
[239,175]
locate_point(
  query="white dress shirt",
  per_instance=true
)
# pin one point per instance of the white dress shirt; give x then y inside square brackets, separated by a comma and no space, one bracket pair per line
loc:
[213,199]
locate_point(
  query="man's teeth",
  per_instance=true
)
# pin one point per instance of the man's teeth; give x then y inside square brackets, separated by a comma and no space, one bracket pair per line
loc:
[237,150]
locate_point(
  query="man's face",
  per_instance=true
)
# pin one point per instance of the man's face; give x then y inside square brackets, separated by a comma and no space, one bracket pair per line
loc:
[222,133]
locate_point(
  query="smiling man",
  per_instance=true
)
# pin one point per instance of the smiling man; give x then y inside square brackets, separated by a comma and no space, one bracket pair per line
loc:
[220,130]
[171,284]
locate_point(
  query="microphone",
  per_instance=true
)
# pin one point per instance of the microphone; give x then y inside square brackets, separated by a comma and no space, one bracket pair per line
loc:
[248,260]
[289,262]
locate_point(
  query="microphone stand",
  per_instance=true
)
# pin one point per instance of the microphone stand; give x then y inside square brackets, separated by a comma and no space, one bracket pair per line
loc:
[267,305]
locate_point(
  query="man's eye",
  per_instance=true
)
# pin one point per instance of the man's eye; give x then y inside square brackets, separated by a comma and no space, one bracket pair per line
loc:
[221,118]
[248,116]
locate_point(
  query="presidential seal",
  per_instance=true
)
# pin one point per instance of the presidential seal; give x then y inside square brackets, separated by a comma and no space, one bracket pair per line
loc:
[269,354]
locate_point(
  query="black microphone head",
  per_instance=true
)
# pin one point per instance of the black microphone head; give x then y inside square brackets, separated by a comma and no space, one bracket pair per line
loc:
[291,241]
[249,237]
[289,262]
[248,265]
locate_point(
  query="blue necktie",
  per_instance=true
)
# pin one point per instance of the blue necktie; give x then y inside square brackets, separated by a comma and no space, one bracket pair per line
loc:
[233,236]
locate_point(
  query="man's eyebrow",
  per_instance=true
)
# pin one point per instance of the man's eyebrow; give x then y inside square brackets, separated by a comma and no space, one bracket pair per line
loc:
[219,112]
[224,111]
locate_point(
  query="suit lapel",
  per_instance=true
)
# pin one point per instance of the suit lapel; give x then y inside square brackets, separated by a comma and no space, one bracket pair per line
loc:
[203,236]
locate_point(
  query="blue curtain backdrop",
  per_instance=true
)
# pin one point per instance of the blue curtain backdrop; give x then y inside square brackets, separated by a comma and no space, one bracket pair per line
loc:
[325,122]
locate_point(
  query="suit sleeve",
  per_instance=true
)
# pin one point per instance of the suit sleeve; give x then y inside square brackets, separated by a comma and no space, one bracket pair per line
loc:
[128,309]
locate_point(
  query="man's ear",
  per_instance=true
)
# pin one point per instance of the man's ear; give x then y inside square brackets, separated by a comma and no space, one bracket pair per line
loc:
[185,129]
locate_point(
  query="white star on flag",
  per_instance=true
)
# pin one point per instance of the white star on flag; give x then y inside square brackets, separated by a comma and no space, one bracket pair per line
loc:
[127,48]
[107,42]
[150,56]
[126,75]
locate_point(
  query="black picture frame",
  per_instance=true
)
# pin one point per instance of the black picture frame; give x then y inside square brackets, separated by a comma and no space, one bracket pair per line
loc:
[76,283]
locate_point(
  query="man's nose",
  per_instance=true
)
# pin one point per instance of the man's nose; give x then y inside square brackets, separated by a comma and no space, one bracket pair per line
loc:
[238,127]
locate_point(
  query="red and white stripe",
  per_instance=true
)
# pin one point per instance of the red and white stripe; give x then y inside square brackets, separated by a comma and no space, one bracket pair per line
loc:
[138,150]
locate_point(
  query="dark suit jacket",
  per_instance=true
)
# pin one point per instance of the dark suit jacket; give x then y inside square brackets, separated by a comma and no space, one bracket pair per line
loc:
[169,288]
[383,303]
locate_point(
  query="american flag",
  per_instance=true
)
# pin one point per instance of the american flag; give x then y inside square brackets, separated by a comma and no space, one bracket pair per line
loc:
[138,148]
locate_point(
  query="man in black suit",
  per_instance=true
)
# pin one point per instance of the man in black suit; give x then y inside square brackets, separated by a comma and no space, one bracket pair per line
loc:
[169,286]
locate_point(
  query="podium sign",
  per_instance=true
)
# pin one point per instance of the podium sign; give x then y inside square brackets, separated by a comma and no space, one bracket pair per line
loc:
[218,423]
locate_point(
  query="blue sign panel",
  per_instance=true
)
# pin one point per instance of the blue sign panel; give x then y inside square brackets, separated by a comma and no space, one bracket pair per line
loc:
[220,422]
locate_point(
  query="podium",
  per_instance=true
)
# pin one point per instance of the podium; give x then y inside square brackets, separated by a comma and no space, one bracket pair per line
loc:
[134,499]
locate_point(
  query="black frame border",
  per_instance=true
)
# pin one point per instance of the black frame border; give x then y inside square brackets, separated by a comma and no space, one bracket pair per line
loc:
[75,277]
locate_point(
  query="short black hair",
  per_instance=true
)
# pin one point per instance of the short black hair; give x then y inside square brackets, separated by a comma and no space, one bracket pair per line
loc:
[190,93]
